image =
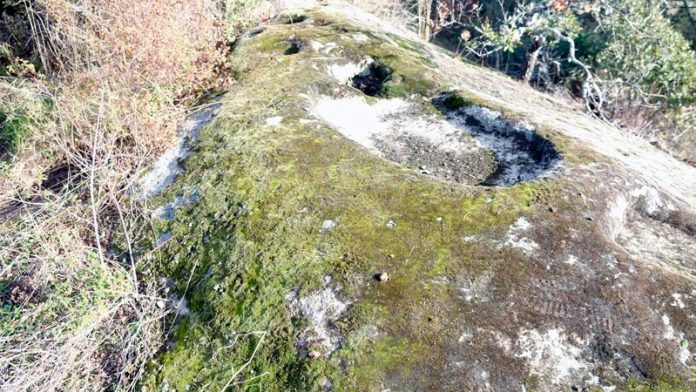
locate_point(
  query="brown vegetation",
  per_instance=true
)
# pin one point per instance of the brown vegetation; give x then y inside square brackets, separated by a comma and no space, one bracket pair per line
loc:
[114,79]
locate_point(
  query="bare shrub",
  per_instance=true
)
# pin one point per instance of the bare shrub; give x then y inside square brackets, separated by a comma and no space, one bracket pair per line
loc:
[399,12]
[77,313]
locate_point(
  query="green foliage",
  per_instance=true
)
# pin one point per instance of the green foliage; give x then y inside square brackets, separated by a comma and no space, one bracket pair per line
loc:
[505,39]
[13,130]
[629,43]
[652,61]
[71,304]
[21,109]
[630,63]
[681,14]
[5,57]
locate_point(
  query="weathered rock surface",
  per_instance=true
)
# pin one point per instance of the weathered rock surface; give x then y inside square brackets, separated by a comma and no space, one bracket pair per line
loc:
[366,213]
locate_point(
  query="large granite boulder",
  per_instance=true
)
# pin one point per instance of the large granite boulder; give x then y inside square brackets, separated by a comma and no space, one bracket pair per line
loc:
[367,213]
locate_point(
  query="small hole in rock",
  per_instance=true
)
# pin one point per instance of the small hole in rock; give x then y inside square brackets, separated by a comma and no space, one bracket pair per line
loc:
[371,80]
[295,47]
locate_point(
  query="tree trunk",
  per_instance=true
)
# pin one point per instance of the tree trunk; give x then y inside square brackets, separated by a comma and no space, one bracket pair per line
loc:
[425,8]
[532,60]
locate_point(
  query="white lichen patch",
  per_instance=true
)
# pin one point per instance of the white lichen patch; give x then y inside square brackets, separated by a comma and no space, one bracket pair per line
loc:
[167,167]
[525,244]
[322,48]
[571,260]
[516,240]
[360,37]
[343,73]
[502,341]
[328,225]
[678,302]
[476,289]
[551,355]
[369,123]
[652,202]
[672,335]
[521,224]
[274,121]
[669,330]
[465,337]
[321,309]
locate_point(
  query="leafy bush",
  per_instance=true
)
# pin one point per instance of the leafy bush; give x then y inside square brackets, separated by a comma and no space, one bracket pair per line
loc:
[645,60]
[13,129]
[624,57]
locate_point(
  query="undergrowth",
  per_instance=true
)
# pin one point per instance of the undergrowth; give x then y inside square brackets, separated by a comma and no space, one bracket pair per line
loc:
[91,91]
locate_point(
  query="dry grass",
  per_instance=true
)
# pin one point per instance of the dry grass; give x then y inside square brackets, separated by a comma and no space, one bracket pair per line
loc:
[77,313]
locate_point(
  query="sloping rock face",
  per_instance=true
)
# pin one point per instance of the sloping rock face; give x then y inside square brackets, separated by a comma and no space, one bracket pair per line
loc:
[365,213]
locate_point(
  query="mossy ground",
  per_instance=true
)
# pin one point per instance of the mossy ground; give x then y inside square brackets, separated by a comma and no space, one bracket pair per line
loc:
[255,233]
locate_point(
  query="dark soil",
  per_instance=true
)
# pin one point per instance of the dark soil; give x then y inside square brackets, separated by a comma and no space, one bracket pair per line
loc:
[62,177]
[372,79]
[27,289]
[296,46]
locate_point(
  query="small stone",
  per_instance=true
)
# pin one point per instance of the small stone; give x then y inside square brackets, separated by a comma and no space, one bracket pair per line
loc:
[160,304]
[391,224]
[314,354]
[439,219]
[325,383]
[424,170]
[328,225]
[382,277]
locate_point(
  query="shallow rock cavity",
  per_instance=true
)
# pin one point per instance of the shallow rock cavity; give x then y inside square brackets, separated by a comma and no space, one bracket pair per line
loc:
[520,152]
[471,145]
